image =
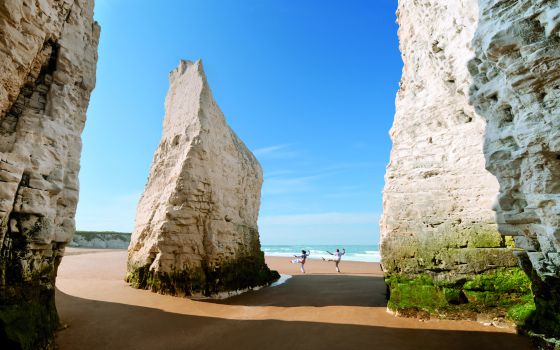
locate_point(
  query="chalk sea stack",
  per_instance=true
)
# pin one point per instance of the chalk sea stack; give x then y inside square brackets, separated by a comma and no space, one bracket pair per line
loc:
[516,87]
[48,55]
[440,245]
[196,223]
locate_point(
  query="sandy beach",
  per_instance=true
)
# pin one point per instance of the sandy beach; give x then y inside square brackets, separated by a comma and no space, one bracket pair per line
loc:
[318,309]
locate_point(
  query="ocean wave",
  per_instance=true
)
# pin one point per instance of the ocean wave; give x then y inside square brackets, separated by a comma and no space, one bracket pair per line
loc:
[355,255]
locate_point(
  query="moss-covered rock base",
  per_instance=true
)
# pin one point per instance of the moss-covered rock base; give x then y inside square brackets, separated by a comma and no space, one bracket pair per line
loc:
[29,325]
[28,317]
[459,272]
[450,251]
[207,280]
[504,293]
[543,325]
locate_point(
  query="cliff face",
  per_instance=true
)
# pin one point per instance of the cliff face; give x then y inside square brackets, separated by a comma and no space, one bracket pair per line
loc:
[196,222]
[438,229]
[516,87]
[101,240]
[48,51]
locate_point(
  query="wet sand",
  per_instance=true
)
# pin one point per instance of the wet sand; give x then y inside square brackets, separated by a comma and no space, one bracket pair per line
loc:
[318,309]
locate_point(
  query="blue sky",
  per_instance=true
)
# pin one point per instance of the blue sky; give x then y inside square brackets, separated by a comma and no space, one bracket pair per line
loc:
[308,85]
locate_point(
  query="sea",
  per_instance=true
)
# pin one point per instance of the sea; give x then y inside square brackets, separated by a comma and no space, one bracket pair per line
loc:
[367,253]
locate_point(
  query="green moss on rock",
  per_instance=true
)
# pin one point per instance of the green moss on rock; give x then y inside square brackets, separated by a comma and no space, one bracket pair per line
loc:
[408,294]
[29,325]
[208,279]
[512,280]
[456,272]
[521,312]
[28,316]
[503,291]
[485,239]
[472,250]
[543,322]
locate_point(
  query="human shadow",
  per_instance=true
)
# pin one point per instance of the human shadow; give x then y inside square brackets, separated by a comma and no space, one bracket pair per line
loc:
[104,325]
[317,290]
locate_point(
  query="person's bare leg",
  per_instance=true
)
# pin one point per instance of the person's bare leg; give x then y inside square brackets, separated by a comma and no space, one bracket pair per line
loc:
[337,269]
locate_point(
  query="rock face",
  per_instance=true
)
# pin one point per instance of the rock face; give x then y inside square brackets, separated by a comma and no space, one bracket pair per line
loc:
[438,231]
[48,51]
[516,87]
[196,222]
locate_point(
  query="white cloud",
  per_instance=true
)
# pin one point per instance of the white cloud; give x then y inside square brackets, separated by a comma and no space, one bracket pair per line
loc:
[268,150]
[276,151]
[277,173]
[340,167]
[107,214]
[278,185]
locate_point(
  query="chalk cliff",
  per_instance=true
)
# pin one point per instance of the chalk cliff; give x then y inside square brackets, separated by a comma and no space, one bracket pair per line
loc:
[101,240]
[439,238]
[516,87]
[196,222]
[48,54]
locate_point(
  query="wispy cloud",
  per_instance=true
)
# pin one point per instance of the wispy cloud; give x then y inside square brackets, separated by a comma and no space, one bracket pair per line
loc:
[284,181]
[278,173]
[276,151]
[330,218]
[108,214]
[336,168]
[359,145]
[269,150]
[281,185]
[342,192]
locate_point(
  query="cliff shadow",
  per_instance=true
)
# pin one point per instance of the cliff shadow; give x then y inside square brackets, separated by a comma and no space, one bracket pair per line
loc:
[317,290]
[105,325]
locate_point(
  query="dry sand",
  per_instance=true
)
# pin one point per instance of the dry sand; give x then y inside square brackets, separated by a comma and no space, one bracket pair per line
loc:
[320,309]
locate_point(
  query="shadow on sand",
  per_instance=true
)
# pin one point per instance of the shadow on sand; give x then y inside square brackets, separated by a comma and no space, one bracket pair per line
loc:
[317,290]
[104,325]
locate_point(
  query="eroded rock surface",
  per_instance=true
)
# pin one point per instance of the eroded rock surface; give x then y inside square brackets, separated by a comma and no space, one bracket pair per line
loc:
[48,54]
[516,87]
[196,222]
[438,231]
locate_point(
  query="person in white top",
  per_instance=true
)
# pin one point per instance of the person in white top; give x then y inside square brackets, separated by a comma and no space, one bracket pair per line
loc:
[336,257]
[301,260]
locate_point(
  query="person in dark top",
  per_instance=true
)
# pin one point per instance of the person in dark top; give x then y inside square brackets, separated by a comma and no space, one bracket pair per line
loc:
[300,259]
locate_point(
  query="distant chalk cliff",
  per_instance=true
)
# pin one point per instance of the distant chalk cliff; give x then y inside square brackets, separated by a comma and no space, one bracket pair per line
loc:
[103,240]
